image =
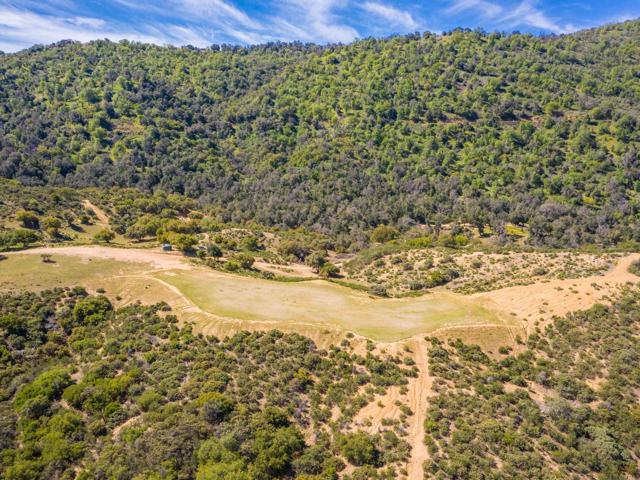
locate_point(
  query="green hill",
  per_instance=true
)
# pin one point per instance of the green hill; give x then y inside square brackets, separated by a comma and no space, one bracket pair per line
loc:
[467,127]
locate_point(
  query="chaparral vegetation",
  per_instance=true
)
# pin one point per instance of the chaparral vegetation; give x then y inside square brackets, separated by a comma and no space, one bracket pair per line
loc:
[406,258]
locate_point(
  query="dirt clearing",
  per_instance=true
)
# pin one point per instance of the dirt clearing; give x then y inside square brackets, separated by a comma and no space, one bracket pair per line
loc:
[247,302]
[103,218]
[544,300]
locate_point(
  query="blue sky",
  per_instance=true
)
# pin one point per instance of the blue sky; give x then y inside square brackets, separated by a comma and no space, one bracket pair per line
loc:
[203,22]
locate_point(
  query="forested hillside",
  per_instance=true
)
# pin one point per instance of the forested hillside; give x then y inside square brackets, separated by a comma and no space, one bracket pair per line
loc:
[469,127]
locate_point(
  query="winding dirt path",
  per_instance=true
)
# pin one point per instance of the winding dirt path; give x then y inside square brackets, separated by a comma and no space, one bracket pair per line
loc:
[419,390]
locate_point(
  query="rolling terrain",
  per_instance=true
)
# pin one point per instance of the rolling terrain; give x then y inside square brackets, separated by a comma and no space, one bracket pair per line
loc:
[406,258]
[222,304]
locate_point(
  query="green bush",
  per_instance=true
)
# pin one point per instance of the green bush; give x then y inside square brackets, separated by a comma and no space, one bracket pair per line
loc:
[384,234]
[104,235]
[92,310]
[358,448]
[48,385]
[244,260]
[28,219]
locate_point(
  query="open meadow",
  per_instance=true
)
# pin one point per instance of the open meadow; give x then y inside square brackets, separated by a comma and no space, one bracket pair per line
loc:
[220,303]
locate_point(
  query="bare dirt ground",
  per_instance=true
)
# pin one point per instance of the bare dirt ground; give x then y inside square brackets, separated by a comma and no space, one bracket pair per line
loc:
[542,301]
[291,270]
[528,305]
[419,392]
[101,215]
[417,398]
[156,259]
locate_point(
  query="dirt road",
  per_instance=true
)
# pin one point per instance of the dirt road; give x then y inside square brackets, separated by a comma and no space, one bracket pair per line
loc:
[157,260]
[419,392]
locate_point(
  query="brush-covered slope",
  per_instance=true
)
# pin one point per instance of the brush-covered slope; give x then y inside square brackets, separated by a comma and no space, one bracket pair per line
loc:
[463,127]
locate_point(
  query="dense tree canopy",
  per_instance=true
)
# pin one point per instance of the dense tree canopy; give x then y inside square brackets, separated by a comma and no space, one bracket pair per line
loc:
[470,127]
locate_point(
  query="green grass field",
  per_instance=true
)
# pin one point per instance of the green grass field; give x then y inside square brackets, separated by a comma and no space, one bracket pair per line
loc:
[324,304]
[244,302]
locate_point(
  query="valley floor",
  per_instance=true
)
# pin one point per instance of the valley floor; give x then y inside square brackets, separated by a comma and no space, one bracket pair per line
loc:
[219,303]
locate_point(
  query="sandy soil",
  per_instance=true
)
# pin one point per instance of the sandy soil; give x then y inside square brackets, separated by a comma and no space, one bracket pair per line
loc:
[103,218]
[528,304]
[419,392]
[417,398]
[156,259]
[542,301]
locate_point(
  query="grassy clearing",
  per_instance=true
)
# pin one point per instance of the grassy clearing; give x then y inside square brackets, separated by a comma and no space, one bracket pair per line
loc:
[30,273]
[322,304]
[246,301]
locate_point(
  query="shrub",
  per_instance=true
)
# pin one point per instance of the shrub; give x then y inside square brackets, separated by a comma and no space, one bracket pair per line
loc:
[316,261]
[28,219]
[17,238]
[358,448]
[244,260]
[252,244]
[184,242]
[232,266]
[104,235]
[214,250]
[378,290]
[635,268]
[294,248]
[92,310]
[384,233]
[49,385]
[215,407]
[149,400]
[329,270]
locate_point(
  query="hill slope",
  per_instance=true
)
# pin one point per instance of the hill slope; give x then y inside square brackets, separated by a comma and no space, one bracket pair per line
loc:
[464,127]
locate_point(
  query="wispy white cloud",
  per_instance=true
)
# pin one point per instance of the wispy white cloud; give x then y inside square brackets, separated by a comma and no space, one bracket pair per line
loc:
[319,19]
[87,22]
[523,14]
[216,20]
[527,14]
[204,22]
[394,16]
[218,9]
[485,8]
[21,29]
